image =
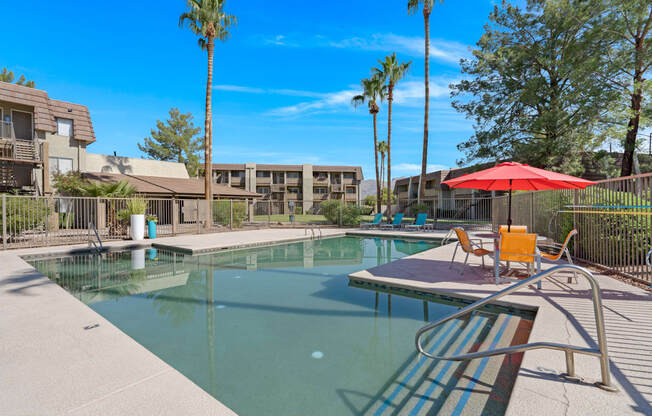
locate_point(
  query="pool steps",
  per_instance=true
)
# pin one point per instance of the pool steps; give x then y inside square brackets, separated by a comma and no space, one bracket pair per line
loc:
[457,388]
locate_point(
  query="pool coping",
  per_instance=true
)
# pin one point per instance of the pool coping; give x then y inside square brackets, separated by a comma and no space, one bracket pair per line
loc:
[532,395]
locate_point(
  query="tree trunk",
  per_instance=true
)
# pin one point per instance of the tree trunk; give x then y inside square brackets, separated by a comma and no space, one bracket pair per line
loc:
[424,154]
[632,126]
[378,191]
[208,135]
[390,98]
[382,172]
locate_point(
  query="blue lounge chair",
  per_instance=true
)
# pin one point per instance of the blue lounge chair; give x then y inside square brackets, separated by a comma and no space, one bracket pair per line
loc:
[398,219]
[419,223]
[375,223]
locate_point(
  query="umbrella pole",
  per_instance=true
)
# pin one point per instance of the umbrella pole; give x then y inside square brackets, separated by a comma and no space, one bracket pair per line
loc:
[509,210]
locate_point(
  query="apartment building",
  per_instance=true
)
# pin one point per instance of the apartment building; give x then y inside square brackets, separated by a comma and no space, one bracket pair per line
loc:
[305,183]
[38,135]
[408,188]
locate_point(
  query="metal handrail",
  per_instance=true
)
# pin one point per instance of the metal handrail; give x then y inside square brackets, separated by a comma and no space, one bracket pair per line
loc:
[312,232]
[97,248]
[600,352]
[447,237]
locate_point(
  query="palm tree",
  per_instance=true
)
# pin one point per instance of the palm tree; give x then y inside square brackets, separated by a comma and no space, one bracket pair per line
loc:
[382,149]
[392,71]
[373,91]
[207,19]
[413,6]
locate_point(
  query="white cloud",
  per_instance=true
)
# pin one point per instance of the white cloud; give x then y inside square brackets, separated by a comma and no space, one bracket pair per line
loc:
[255,90]
[449,51]
[440,49]
[325,102]
[413,168]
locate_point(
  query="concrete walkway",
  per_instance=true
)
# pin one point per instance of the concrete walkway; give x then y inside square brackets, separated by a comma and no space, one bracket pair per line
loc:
[565,315]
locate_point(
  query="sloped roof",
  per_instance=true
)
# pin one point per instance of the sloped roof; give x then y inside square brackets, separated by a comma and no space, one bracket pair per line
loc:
[47,110]
[156,185]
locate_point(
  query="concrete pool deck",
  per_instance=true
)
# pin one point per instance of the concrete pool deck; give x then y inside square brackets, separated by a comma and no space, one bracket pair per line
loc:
[59,356]
[564,315]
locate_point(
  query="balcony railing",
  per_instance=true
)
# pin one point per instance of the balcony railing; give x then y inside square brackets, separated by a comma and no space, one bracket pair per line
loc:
[276,187]
[15,149]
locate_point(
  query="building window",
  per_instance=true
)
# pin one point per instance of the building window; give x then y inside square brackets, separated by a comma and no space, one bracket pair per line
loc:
[350,190]
[262,189]
[348,175]
[64,127]
[60,165]
[294,175]
[221,176]
[237,174]
[320,176]
[430,184]
[320,190]
[294,190]
[262,174]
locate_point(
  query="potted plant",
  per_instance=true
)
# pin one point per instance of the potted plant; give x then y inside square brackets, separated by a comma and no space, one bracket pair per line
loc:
[136,207]
[151,225]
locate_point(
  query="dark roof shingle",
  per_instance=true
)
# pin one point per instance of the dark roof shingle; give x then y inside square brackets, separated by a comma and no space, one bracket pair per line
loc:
[156,185]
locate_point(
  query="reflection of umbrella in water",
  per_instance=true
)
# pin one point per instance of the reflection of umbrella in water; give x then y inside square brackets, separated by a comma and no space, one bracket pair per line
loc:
[515,176]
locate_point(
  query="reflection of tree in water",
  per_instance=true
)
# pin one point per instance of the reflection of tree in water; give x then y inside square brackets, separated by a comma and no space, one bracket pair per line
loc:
[179,303]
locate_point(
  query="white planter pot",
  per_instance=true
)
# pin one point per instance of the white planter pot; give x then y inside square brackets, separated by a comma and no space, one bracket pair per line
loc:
[138,259]
[138,227]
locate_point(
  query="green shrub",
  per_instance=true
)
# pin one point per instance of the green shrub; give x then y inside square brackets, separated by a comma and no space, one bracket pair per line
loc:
[136,205]
[366,210]
[24,213]
[350,214]
[222,212]
[420,208]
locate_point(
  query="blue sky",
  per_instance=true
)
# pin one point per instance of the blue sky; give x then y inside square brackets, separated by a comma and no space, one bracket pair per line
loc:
[282,83]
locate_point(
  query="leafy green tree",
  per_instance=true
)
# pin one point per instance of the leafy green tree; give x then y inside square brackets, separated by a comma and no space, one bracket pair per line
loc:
[391,71]
[175,140]
[8,76]
[373,92]
[627,26]
[413,7]
[207,19]
[533,89]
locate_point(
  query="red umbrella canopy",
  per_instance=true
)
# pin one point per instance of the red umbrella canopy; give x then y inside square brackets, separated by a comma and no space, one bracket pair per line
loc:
[517,176]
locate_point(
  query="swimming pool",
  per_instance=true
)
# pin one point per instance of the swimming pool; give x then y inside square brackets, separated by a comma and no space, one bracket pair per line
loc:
[279,330]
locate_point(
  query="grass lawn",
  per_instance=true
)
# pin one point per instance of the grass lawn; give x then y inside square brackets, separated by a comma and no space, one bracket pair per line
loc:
[320,219]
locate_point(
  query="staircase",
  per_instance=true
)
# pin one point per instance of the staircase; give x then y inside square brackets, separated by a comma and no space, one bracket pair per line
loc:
[477,387]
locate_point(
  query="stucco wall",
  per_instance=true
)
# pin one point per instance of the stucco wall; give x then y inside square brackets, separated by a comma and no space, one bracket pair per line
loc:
[133,166]
[67,147]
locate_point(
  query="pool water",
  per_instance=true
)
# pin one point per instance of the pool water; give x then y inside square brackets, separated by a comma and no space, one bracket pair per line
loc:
[274,330]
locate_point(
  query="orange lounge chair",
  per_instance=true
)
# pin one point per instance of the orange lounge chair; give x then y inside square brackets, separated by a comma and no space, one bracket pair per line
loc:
[520,248]
[563,250]
[469,247]
[514,229]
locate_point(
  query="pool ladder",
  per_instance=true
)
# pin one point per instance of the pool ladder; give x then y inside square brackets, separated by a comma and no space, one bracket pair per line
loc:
[312,232]
[97,246]
[448,237]
[569,350]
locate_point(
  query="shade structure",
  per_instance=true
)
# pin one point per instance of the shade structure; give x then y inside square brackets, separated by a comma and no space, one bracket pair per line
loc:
[514,176]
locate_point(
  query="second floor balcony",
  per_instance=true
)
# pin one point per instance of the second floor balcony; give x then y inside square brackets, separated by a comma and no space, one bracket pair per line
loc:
[13,149]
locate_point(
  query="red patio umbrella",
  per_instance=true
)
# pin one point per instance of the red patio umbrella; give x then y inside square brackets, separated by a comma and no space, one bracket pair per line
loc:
[516,176]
